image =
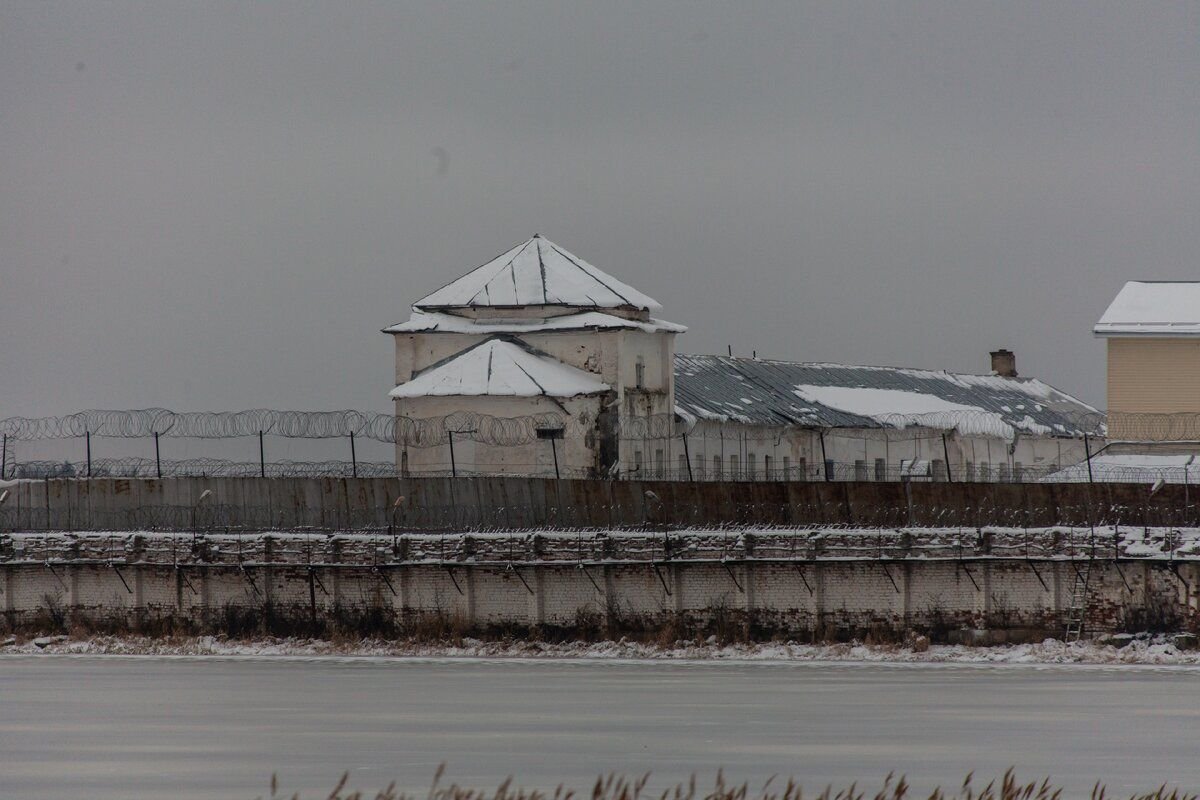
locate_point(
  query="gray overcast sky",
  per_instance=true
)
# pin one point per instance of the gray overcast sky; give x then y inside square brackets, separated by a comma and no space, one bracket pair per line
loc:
[217,206]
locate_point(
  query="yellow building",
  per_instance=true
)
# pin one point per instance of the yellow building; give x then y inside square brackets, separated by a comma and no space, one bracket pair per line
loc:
[1153,333]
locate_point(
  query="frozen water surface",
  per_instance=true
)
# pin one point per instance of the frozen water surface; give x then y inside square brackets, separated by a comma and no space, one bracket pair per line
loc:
[149,727]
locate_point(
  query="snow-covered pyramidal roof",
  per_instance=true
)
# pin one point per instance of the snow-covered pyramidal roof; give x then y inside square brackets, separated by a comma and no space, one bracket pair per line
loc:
[537,272]
[503,368]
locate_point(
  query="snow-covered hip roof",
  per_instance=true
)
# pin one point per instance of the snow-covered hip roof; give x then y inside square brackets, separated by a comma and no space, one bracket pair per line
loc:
[785,393]
[537,272]
[442,322]
[500,367]
[1153,308]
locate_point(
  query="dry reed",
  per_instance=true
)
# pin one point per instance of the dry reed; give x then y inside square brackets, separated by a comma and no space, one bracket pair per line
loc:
[621,787]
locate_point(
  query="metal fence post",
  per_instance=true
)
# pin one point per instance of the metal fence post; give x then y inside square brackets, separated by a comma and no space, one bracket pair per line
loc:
[157,459]
[88,437]
[353,457]
[262,456]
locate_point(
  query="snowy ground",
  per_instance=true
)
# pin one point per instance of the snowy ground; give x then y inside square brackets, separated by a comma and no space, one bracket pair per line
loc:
[1142,649]
[594,545]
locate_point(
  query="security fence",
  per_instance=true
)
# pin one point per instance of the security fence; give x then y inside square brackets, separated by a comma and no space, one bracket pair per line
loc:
[525,503]
[85,436]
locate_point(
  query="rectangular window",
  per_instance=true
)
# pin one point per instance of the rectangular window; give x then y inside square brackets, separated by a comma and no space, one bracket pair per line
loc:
[683,469]
[939,470]
[640,372]
[734,466]
[768,466]
[637,463]
[699,468]
[1004,476]
[751,467]
[717,468]
[829,469]
[802,472]
[880,469]
[1018,471]
[860,469]
[969,472]
[658,463]
[787,468]
[985,471]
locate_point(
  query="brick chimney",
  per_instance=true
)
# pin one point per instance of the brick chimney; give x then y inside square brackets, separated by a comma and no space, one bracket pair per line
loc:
[1004,363]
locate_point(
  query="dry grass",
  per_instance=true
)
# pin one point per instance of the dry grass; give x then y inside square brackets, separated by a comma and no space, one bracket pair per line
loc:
[621,787]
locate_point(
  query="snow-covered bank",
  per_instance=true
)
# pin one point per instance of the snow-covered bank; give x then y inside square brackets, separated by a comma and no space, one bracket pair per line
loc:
[1142,649]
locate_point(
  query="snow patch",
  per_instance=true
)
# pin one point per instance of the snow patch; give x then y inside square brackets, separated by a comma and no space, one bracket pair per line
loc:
[499,367]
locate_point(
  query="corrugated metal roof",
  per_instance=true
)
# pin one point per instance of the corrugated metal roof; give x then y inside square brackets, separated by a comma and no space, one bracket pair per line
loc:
[534,273]
[765,392]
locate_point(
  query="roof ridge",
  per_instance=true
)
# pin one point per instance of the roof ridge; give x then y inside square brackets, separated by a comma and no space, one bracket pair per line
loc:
[530,273]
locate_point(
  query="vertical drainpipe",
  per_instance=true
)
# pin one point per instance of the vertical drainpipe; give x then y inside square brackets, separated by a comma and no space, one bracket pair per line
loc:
[824,458]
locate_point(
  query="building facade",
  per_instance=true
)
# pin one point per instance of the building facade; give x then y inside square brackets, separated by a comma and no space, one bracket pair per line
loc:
[539,363]
[534,362]
[1152,332]
[1152,335]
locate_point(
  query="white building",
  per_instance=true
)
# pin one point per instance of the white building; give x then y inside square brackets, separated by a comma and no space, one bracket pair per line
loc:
[530,363]
[537,362]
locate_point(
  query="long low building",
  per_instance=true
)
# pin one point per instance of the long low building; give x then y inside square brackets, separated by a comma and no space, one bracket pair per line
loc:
[538,362]
[758,418]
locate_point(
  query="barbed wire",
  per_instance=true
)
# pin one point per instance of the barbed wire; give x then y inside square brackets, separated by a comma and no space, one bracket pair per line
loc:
[134,467]
[521,430]
[146,422]
[832,471]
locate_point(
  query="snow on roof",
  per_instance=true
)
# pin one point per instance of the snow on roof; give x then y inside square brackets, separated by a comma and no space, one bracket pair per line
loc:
[537,272]
[765,392]
[1132,468]
[441,322]
[1153,308]
[503,368]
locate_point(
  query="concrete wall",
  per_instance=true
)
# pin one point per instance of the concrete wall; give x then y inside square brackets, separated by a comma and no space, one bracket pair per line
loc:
[1011,599]
[498,502]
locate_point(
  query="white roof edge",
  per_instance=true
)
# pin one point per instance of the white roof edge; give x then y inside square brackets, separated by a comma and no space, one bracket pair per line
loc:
[537,272]
[431,321]
[1152,308]
[1167,331]
[503,368]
